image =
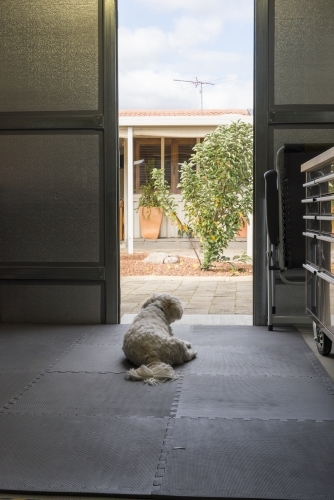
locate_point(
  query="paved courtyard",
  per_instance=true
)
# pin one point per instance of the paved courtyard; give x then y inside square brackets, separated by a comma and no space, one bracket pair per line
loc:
[198,295]
[214,299]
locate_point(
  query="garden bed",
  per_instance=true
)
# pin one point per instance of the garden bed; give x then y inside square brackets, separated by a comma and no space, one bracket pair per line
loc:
[133,265]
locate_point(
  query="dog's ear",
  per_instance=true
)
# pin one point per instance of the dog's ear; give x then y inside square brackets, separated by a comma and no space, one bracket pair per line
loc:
[173,308]
[149,301]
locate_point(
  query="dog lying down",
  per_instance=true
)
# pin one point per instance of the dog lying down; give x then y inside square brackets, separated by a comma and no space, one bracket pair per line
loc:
[150,344]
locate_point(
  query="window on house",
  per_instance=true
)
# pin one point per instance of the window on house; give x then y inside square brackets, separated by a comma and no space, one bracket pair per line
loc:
[174,151]
[145,149]
[184,153]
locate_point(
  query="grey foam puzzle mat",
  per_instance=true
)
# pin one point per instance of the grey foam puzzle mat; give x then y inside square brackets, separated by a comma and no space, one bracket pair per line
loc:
[79,454]
[94,394]
[104,334]
[40,333]
[251,361]
[240,422]
[180,330]
[253,459]
[283,398]
[102,358]
[13,383]
[34,347]
[241,335]
[27,357]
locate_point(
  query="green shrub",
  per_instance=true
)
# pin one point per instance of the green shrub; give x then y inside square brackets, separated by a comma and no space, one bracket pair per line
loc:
[216,185]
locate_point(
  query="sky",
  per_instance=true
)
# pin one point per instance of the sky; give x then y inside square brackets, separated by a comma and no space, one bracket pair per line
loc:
[160,41]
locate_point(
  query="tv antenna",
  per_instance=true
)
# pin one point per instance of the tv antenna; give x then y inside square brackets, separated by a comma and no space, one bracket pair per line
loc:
[197,83]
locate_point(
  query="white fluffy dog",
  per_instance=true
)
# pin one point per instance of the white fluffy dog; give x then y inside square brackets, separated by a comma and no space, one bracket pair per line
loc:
[149,342]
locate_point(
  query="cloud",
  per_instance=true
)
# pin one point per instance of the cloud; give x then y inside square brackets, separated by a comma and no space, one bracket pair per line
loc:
[173,5]
[141,47]
[151,48]
[225,9]
[233,94]
[181,49]
[145,45]
[213,65]
[191,31]
[211,58]
[198,41]
[146,89]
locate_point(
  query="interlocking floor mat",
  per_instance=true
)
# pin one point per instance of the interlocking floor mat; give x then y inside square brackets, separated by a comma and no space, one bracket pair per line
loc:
[25,348]
[104,334]
[80,454]
[251,417]
[91,394]
[249,459]
[237,335]
[12,382]
[266,398]
[250,361]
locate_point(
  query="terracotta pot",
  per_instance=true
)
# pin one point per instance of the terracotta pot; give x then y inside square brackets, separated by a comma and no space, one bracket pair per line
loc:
[243,230]
[150,222]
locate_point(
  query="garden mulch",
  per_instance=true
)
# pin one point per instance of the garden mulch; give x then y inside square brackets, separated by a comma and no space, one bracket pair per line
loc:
[133,265]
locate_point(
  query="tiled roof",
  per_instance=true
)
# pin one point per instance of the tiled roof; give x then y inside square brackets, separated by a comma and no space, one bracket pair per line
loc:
[183,112]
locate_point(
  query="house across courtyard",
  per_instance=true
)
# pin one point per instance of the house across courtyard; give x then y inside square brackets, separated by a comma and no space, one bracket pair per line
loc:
[167,136]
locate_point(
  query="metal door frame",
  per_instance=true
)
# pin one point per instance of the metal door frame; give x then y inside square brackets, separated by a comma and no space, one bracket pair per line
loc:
[268,117]
[104,120]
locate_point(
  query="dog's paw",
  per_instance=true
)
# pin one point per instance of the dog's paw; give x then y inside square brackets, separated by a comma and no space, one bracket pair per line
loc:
[191,354]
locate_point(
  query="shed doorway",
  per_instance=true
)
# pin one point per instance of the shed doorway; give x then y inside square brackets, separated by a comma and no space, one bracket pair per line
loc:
[165,128]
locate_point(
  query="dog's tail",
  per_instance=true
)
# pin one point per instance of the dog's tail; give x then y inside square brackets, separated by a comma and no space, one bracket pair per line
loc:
[152,374]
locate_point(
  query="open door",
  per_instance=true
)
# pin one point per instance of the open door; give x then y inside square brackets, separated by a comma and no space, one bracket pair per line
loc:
[293,101]
[59,239]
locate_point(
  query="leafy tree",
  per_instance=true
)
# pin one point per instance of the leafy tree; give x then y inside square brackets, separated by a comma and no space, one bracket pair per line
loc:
[216,186]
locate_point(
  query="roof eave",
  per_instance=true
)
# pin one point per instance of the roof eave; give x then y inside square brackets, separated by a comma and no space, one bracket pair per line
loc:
[197,120]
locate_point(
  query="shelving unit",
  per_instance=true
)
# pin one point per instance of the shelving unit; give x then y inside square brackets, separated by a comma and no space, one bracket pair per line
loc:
[319,236]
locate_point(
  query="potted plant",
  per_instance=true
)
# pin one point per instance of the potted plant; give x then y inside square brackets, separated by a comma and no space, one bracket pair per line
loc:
[149,206]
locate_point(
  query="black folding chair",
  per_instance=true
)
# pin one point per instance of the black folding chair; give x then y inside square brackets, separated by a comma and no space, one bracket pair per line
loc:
[285,243]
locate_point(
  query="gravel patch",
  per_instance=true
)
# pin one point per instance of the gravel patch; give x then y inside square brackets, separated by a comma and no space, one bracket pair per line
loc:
[133,265]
